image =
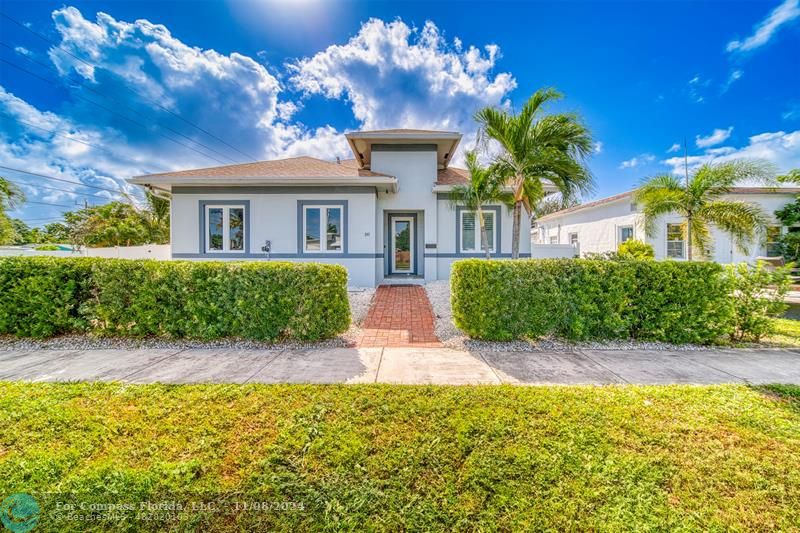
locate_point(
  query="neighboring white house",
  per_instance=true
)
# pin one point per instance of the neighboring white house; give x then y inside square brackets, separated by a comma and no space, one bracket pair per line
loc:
[600,226]
[384,215]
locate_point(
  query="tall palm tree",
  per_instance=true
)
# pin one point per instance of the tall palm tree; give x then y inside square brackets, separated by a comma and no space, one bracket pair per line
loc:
[537,146]
[485,186]
[698,200]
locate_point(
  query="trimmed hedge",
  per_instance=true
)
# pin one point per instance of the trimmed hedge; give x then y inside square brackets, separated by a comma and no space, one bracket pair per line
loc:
[42,296]
[581,299]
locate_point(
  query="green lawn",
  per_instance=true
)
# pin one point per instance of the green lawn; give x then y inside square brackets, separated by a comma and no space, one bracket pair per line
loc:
[414,458]
[787,332]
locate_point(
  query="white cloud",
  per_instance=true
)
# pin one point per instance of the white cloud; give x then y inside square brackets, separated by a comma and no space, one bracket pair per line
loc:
[674,148]
[598,147]
[733,77]
[637,161]
[765,30]
[393,75]
[780,148]
[718,136]
[792,112]
[696,88]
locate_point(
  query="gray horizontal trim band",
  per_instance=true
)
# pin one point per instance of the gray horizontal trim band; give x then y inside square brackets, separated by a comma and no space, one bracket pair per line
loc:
[404,148]
[277,189]
[276,256]
[443,196]
[476,256]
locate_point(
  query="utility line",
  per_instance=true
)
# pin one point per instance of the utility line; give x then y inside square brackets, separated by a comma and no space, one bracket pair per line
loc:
[55,189]
[47,203]
[119,102]
[116,191]
[57,134]
[101,106]
[153,102]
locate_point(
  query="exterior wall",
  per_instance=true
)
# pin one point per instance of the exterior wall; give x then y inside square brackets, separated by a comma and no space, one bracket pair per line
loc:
[597,228]
[274,217]
[554,251]
[416,173]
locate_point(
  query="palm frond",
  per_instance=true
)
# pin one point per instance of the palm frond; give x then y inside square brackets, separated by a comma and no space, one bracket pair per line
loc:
[745,222]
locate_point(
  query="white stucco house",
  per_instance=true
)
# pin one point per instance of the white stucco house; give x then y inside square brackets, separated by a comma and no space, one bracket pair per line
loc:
[385,215]
[600,226]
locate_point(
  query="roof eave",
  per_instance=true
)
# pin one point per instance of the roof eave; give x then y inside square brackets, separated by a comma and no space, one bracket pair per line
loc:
[388,183]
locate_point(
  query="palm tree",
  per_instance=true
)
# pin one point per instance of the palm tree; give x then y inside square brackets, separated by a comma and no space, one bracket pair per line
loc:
[485,186]
[536,146]
[10,197]
[698,200]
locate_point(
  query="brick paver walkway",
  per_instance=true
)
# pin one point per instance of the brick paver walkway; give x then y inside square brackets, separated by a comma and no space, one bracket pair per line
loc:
[401,315]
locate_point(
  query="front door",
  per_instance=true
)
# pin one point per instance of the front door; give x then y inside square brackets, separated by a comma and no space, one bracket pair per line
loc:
[402,251]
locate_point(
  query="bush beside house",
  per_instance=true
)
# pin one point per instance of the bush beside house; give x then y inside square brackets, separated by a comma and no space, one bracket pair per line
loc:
[43,296]
[584,299]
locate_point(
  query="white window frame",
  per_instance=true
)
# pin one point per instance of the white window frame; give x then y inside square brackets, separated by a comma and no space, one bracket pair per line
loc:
[619,233]
[477,230]
[667,241]
[323,228]
[226,228]
[569,238]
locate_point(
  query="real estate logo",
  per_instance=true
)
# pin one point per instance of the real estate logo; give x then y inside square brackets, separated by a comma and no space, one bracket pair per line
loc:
[19,513]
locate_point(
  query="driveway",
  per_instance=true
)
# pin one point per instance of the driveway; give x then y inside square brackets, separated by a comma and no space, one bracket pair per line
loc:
[406,365]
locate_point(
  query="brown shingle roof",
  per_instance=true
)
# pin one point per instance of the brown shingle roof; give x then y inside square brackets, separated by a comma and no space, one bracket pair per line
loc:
[452,176]
[294,167]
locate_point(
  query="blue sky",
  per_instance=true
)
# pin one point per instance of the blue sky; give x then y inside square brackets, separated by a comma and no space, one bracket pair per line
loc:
[187,84]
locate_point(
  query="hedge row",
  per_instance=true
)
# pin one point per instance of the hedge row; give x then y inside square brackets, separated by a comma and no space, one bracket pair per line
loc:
[44,296]
[582,299]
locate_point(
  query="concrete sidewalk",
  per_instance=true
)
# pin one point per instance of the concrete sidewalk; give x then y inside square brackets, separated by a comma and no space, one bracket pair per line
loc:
[402,365]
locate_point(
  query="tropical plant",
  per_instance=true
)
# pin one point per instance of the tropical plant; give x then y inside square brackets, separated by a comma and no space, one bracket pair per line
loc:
[485,186]
[758,294]
[551,204]
[635,249]
[699,201]
[535,147]
[119,224]
[793,176]
[10,197]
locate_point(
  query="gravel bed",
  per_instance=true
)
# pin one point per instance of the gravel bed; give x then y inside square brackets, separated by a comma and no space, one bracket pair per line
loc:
[360,300]
[452,337]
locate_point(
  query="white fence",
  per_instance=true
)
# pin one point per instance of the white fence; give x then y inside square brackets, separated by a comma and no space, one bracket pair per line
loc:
[554,251]
[153,251]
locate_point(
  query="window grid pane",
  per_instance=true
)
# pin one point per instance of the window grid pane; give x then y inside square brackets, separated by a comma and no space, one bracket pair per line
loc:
[236,228]
[468,231]
[334,229]
[488,222]
[312,229]
[215,228]
[625,234]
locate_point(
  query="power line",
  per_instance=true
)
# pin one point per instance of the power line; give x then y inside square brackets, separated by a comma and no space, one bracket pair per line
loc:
[120,102]
[47,203]
[57,134]
[60,47]
[101,106]
[55,189]
[116,191]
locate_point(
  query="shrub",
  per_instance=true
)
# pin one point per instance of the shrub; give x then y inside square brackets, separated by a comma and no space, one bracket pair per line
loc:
[47,248]
[633,249]
[583,299]
[254,300]
[758,294]
[42,296]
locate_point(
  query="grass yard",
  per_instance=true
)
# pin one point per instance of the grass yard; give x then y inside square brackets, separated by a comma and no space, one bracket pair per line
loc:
[407,458]
[787,332]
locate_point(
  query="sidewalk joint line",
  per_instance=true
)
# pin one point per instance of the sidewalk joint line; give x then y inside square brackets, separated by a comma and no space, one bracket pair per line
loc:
[483,358]
[152,364]
[380,362]
[257,372]
[598,363]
